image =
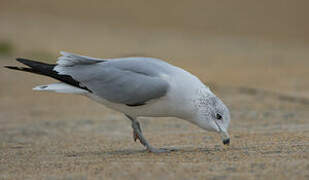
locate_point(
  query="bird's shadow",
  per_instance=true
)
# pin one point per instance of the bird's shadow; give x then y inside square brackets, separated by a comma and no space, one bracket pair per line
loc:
[127,152]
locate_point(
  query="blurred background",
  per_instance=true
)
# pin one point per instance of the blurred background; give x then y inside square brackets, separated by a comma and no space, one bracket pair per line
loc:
[262,44]
[253,54]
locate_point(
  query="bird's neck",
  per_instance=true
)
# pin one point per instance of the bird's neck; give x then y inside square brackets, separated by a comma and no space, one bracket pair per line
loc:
[194,103]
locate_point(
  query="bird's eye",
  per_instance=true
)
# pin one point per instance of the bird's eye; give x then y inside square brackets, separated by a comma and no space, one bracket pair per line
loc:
[218,116]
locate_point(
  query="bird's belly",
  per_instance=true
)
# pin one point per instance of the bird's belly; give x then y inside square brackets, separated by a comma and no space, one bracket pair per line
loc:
[153,108]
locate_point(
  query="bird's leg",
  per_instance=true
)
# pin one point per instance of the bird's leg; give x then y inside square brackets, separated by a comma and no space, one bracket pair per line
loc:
[137,134]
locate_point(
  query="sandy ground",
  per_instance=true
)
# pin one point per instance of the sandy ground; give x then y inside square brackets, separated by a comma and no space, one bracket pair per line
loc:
[259,70]
[55,136]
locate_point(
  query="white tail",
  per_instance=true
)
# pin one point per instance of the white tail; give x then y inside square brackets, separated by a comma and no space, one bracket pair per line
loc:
[60,88]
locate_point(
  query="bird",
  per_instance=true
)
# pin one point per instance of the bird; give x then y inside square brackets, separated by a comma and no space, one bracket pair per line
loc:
[136,87]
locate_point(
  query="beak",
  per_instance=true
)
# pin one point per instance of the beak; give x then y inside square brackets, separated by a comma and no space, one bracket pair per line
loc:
[224,135]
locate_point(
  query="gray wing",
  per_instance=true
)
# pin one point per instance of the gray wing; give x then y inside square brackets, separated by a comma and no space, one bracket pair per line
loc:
[70,59]
[131,81]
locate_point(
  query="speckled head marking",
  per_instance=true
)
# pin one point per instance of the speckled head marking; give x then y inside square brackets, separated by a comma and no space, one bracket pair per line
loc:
[212,114]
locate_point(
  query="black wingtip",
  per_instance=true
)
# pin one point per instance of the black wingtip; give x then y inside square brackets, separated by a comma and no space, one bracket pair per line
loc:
[23,60]
[20,59]
[33,64]
[21,69]
[12,67]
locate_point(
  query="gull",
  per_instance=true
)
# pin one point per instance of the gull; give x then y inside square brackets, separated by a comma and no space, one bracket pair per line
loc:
[137,87]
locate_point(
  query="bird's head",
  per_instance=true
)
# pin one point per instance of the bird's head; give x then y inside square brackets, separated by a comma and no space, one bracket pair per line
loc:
[212,115]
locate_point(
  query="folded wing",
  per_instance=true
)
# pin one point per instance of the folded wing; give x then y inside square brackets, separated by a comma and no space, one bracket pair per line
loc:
[131,81]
